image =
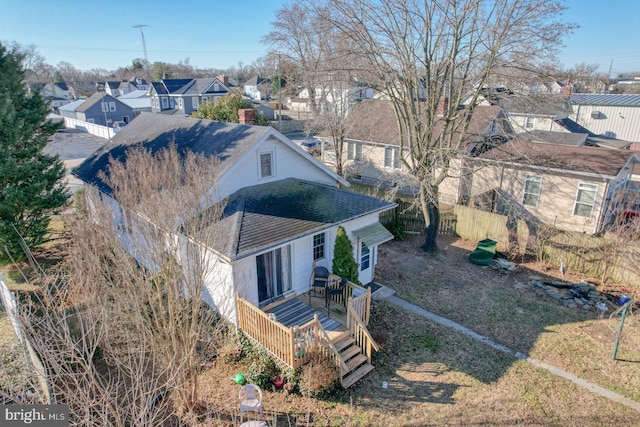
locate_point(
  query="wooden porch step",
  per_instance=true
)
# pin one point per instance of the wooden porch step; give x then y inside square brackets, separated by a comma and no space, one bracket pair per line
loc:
[350,353]
[344,343]
[356,375]
[356,361]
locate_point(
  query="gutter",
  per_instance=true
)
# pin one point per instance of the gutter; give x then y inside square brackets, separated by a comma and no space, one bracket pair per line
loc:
[544,168]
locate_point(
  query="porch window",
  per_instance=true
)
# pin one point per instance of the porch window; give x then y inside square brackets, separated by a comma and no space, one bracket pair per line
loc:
[318,246]
[354,151]
[532,187]
[274,274]
[194,102]
[391,158]
[165,102]
[365,256]
[585,200]
[266,166]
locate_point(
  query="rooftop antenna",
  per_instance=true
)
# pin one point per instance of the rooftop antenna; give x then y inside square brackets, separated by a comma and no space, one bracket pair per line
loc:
[144,44]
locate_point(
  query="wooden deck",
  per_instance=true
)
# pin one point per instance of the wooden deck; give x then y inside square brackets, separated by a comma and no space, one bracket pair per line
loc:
[296,312]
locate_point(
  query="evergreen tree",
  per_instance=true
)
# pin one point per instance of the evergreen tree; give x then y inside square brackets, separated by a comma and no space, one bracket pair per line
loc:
[344,265]
[31,187]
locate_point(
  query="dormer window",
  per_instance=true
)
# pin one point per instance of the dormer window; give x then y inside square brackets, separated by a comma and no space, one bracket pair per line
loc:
[266,164]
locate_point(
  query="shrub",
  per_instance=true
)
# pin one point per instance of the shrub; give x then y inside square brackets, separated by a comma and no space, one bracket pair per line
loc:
[318,376]
[261,373]
[344,265]
[396,227]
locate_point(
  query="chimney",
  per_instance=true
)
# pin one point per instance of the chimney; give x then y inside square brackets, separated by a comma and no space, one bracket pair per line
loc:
[224,79]
[246,116]
[443,106]
[567,89]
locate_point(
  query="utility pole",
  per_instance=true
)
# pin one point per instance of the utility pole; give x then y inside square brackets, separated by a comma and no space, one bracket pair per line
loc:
[279,95]
[144,44]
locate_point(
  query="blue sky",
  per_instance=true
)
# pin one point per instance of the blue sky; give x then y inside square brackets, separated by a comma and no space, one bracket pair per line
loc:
[219,34]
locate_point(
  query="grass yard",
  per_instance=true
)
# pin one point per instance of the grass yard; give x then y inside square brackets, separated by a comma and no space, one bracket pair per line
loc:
[436,376]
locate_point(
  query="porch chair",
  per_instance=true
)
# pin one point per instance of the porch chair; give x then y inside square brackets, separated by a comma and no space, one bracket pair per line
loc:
[319,279]
[337,290]
[250,398]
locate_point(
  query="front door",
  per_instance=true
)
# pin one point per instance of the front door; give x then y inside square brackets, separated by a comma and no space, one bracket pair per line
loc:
[367,259]
[274,274]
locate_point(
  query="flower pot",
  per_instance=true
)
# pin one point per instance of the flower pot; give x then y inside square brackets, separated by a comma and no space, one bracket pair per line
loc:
[278,381]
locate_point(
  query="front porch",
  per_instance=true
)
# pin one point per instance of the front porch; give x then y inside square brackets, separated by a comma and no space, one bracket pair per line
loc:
[296,329]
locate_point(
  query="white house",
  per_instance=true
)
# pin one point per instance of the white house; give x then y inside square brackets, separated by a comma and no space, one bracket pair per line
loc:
[282,207]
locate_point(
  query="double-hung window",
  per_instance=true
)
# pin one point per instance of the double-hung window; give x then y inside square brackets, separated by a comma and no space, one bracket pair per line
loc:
[318,246]
[532,188]
[105,107]
[354,151]
[194,102]
[392,158]
[165,102]
[266,164]
[585,200]
[112,106]
[529,122]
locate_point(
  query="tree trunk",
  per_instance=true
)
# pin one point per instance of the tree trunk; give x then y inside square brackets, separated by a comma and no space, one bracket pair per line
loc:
[431,213]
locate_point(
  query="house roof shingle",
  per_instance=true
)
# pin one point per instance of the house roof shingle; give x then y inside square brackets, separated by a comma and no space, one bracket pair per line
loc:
[563,138]
[274,213]
[375,121]
[227,141]
[588,160]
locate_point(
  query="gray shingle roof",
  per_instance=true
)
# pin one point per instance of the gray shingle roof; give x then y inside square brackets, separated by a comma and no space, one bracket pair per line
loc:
[228,141]
[590,160]
[564,138]
[266,215]
[554,106]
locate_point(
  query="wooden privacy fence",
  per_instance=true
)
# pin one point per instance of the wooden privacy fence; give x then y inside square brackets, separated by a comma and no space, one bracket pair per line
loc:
[413,220]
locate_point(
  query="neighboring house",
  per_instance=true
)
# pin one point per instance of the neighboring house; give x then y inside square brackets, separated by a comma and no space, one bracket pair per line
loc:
[183,96]
[265,109]
[571,188]
[138,100]
[258,88]
[339,96]
[56,93]
[69,110]
[373,153]
[608,115]
[123,87]
[535,112]
[282,209]
[103,109]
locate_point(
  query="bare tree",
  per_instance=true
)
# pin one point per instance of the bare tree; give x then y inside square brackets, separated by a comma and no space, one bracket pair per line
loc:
[426,55]
[125,332]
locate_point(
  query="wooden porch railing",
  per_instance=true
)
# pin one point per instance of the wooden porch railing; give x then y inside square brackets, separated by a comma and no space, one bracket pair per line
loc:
[359,332]
[360,296]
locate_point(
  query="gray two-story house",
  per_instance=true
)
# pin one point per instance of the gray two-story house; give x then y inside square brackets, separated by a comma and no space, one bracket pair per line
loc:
[103,109]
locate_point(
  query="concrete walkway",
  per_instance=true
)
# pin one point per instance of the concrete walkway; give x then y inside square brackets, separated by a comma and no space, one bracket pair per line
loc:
[387,294]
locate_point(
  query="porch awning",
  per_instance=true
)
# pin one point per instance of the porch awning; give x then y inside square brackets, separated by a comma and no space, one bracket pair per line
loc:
[373,234]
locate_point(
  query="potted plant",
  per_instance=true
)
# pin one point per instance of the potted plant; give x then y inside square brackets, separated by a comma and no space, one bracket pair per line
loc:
[278,381]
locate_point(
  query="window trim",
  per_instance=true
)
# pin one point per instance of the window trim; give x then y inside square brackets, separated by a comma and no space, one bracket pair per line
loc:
[272,173]
[165,102]
[532,178]
[581,186]
[195,102]
[104,105]
[318,247]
